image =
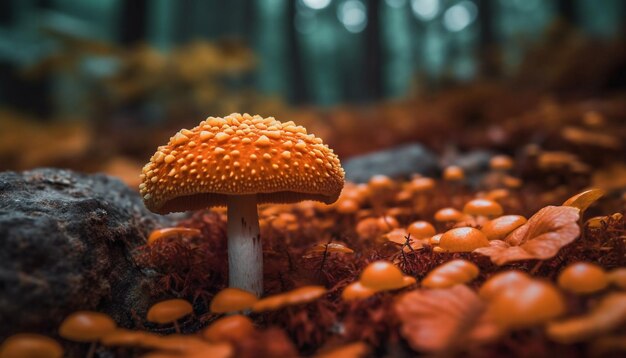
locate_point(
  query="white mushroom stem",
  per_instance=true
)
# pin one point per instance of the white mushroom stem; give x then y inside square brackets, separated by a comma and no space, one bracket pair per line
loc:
[245,253]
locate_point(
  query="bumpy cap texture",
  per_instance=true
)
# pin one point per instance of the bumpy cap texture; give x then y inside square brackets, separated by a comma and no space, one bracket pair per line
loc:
[240,155]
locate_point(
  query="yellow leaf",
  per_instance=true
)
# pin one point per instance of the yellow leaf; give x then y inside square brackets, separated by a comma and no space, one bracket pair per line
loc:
[583,200]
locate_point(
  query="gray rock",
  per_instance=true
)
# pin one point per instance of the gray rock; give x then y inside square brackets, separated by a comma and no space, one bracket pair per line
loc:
[396,162]
[65,243]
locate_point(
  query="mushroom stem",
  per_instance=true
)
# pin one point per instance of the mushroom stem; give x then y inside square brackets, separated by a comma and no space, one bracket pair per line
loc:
[245,254]
[92,350]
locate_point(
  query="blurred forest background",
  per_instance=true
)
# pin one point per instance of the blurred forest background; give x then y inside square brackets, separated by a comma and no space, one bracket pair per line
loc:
[86,77]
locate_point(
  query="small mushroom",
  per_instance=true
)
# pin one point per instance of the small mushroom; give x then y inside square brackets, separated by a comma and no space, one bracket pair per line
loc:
[30,345]
[382,275]
[448,215]
[451,273]
[527,304]
[501,282]
[297,296]
[583,278]
[165,233]
[501,163]
[482,207]
[124,338]
[231,329]
[453,173]
[356,291]
[463,239]
[231,300]
[240,161]
[617,277]
[499,228]
[169,311]
[420,230]
[87,326]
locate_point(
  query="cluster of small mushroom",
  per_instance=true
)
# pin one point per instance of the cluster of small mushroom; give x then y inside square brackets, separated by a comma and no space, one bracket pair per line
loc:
[98,328]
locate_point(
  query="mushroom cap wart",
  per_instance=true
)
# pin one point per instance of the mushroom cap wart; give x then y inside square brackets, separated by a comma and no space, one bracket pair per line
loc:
[240,155]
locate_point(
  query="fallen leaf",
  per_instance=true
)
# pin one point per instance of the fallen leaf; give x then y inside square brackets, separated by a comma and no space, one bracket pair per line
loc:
[541,237]
[441,320]
[608,315]
[583,200]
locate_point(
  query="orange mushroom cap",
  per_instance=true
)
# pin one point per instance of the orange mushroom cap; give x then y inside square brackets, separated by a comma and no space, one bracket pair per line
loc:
[124,337]
[347,206]
[583,278]
[387,223]
[453,173]
[421,230]
[482,207]
[451,273]
[617,277]
[232,299]
[499,228]
[29,345]
[435,239]
[296,296]
[356,291]
[86,326]
[239,155]
[501,162]
[421,185]
[229,329]
[382,275]
[463,239]
[501,282]
[270,303]
[159,234]
[169,311]
[304,294]
[448,214]
[532,303]
[380,183]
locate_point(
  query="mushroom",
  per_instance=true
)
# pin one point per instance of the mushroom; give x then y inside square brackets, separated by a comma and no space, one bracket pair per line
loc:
[451,273]
[241,161]
[168,232]
[500,282]
[583,278]
[376,277]
[30,345]
[356,291]
[231,329]
[297,296]
[499,228]
[87,326]
[501,162]
[420,230]
[482,207]
[231,300]
[526,304]
[463,239]
[453,173]
[169,311]
[446,217]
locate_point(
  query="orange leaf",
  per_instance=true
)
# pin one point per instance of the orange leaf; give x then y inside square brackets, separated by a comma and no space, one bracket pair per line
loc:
[441,320]
[583,200]
[541,237]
